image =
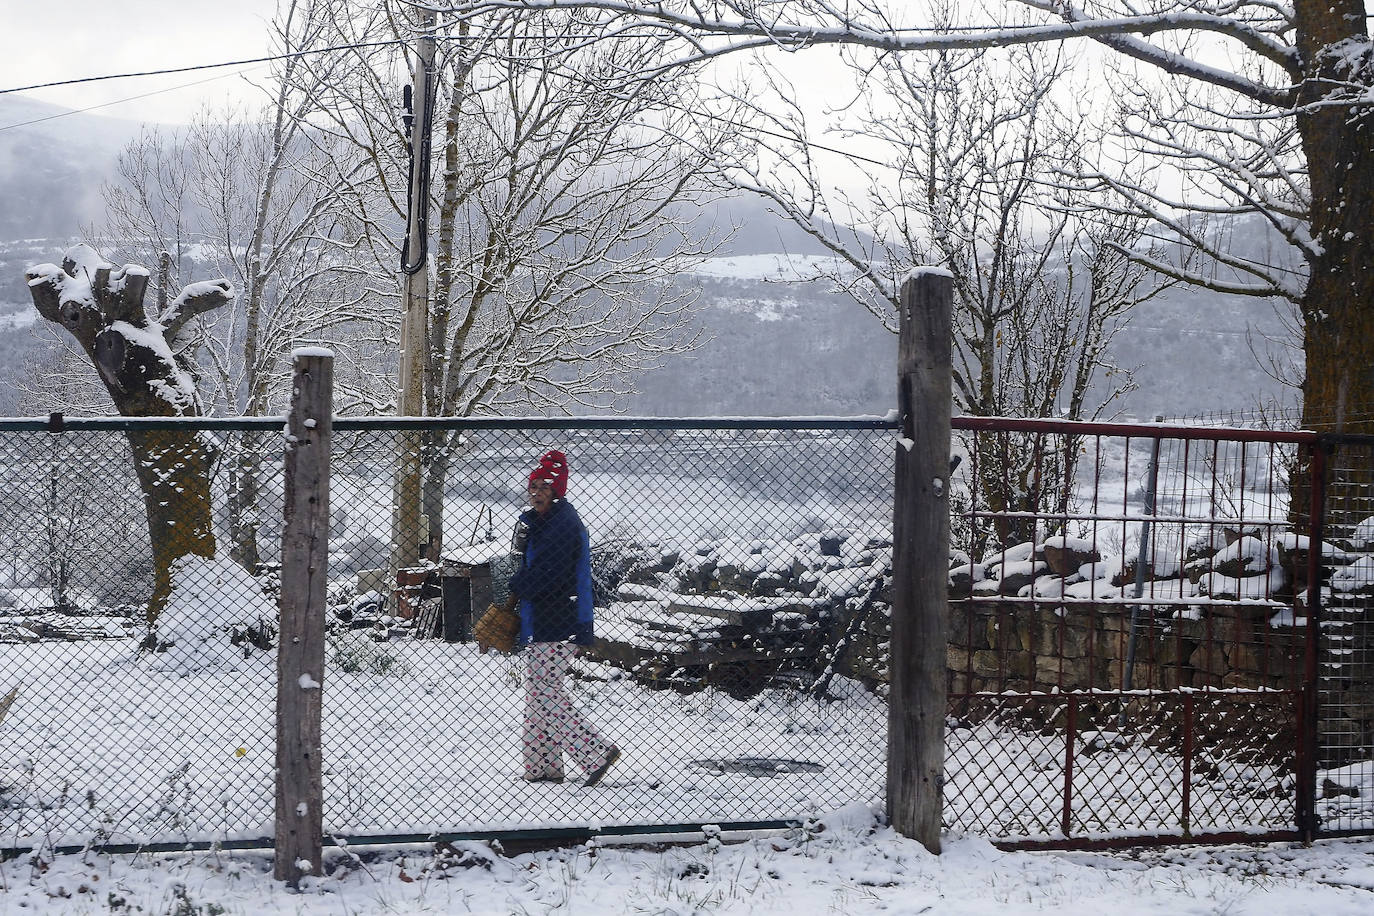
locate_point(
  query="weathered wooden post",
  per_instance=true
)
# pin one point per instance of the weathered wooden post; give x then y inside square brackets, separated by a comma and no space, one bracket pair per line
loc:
[920,560]
[300,652]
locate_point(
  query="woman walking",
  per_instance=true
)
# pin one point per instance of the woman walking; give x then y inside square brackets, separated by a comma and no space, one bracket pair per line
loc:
[554,585]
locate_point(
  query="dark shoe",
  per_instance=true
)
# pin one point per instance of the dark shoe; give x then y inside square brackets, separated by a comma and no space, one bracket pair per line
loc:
[556,779]
[595,776]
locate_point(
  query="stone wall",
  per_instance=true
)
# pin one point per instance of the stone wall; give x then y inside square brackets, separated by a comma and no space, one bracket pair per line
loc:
[1026,631]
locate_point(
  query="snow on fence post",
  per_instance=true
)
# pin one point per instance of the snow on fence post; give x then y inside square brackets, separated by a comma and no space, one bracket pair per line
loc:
[920,560]
[300,651]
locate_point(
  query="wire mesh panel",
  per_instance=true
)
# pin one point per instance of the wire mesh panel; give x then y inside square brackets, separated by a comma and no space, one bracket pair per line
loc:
[1147,564]
[721,565]
[1345,657]
[137,694]
[1130,646]
[1112,764]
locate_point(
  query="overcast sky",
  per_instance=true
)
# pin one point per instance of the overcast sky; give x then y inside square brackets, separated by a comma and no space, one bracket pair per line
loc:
[48,40]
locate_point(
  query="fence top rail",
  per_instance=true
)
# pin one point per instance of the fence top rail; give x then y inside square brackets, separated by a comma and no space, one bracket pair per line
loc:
[1143,430]
[60,423]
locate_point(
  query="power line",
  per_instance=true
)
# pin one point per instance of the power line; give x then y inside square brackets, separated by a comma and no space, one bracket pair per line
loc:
[355,46]
[132,98]
[231,63]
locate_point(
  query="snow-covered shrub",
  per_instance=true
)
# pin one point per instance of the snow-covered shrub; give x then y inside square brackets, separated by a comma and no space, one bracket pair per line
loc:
[214,605]
[355,653]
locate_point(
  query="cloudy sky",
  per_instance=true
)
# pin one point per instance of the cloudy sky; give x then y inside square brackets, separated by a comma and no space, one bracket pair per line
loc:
[45,41]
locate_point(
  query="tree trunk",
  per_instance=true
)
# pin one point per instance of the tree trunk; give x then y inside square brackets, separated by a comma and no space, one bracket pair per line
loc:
[1338,306]
[174,473]
[436,466]
[142,363]
[242,503]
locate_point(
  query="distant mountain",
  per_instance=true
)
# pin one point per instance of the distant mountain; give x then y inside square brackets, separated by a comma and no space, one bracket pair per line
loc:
[775,348]
[52,163]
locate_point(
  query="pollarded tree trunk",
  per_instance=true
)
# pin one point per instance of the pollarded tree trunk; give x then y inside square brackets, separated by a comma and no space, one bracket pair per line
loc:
[173,470]
[1337,129]
[146,371]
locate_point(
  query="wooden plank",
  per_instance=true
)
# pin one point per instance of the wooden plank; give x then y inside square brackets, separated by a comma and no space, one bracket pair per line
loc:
[920,529]
[427,622]
[748,616]
[300,650]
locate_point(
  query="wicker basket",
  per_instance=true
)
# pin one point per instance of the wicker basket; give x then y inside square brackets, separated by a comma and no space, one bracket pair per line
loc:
[498,628]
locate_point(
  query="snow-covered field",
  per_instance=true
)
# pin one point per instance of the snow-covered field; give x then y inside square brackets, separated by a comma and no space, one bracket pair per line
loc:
[769,266]
[849,866]
[135,749]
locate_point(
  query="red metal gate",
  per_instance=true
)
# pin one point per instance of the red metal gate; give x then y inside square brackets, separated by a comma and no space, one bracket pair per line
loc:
[1136,651]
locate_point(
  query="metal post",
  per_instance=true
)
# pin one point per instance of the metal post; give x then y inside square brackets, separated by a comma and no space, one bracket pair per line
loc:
[1309,717]
[1189,713]
[1152,476]
[1070,739]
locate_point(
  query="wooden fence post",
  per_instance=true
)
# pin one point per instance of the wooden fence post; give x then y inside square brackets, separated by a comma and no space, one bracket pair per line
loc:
[920,560]
[300,648]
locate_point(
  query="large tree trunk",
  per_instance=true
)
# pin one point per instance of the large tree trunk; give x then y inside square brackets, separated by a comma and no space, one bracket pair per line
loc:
[174,473]
[1338,306]
[143,365]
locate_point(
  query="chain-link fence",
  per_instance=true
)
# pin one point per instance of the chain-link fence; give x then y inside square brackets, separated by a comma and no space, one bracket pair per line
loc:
[117,727]
[725,565]
[1129,652]
[1345,647]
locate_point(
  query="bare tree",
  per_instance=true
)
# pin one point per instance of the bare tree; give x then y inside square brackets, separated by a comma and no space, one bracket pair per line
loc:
[563,198]
[262,199]
[974,176]
[143,363]
[1306,64]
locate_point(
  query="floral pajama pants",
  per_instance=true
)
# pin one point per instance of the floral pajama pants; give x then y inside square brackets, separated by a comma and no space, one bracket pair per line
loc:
[552,724]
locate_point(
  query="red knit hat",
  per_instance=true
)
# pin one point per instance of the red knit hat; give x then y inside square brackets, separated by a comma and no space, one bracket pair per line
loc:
[553,467]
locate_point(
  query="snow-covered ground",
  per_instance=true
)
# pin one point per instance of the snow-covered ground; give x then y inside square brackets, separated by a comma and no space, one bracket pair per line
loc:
[142,749]
[423,736]
[849,866]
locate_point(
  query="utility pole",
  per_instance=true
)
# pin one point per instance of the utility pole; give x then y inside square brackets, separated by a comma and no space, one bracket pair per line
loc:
[405,509]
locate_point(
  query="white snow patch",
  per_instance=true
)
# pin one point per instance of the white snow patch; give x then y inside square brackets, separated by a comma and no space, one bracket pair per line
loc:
[209,597]
[777,266]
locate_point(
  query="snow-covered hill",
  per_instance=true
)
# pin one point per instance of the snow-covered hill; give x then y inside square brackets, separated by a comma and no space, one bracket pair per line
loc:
[773,347]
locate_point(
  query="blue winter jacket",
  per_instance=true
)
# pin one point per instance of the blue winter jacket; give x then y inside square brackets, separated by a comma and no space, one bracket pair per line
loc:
[554,583]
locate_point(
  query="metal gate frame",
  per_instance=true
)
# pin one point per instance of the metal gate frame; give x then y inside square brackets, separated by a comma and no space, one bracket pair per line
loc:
[1315,449]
